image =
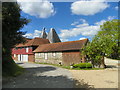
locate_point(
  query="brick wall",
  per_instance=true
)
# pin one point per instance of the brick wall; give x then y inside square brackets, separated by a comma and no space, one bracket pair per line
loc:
[31,58]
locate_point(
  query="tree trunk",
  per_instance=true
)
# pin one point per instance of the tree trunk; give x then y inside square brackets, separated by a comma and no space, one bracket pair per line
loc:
[93,65]
[102,63]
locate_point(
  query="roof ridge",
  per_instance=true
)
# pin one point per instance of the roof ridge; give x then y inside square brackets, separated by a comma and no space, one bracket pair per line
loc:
[74,41]
[40,38]
[66,42]
[69,41]
[62,46]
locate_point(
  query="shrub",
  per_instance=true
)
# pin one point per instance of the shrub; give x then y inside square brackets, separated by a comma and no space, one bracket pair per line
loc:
[76,65]
[88,65]
[83,65]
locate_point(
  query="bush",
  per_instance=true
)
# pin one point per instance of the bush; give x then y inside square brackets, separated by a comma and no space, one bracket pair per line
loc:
[76,65]
[83,65]
[88,65]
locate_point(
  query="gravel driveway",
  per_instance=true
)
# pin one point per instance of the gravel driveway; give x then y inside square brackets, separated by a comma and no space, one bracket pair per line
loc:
[41,76]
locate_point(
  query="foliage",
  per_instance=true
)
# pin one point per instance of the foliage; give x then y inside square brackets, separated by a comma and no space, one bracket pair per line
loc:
[111,32]
[12,22]
[11,68]
[105,43]
[83,65]
[68,67]
[88,65]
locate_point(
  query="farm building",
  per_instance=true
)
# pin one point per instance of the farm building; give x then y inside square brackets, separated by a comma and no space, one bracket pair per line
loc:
[48,48]
[65,53]
[24,51]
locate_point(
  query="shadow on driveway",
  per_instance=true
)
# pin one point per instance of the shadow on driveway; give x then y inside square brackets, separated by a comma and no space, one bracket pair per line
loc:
[44,77]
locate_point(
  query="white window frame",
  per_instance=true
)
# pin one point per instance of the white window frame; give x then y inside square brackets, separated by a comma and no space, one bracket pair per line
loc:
[14,55]
[54,54]
[27,49]
[39,54]
[46,56]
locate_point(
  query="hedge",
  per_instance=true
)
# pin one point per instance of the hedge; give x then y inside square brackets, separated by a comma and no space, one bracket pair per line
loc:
[83,65]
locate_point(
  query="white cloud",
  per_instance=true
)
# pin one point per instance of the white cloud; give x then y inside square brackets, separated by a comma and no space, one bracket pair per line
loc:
[83,29]
[100,22]
[41,9]
[88,7]
[82,38]
[75,23]
[33,35]
[116,8]
[28,35]
[109,18]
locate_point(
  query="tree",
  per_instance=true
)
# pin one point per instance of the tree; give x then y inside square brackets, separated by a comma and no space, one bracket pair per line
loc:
[111,30]
[104,44]
[12,22]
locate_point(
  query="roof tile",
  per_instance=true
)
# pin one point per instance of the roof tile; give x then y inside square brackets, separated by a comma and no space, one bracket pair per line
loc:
[62,46]
[34,42]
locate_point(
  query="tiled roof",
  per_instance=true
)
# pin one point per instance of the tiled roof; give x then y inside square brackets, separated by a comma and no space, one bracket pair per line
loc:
[34,42]
[62,46]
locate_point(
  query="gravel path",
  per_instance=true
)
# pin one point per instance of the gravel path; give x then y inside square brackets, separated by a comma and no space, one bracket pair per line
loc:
[41,76]
[96,78]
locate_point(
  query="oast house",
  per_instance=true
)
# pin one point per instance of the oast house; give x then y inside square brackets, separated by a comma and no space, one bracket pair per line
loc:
[49,49]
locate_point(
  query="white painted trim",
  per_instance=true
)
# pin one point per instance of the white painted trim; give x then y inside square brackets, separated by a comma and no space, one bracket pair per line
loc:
[27,49]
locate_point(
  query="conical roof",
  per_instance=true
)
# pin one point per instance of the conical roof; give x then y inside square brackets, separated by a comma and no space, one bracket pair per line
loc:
[43,34]
[53,37]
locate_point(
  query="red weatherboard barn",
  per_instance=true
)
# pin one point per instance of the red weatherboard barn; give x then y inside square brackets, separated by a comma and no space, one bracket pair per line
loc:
[24,52]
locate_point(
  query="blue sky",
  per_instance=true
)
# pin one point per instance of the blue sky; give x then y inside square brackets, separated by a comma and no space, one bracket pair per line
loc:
[71,20]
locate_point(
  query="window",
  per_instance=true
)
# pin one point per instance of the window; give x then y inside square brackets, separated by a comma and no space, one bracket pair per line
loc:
[45,54]
[54,54]
[14,55]
[39,54]
[27,49]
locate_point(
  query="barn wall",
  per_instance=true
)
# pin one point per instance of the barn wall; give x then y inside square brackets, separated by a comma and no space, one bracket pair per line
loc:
[72,57]
[53,58]
[31,58]
[66,58]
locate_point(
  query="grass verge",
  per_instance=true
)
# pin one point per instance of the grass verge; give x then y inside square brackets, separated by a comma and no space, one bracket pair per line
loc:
[68,67]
